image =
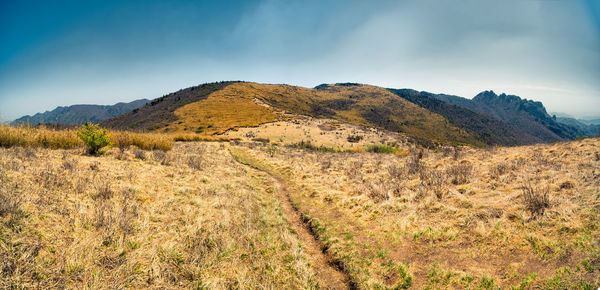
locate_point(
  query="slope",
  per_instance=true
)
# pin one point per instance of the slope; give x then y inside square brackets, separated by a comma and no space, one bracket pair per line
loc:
[215,108]
[160,112]
[80,114]
[525,115]
[492,130]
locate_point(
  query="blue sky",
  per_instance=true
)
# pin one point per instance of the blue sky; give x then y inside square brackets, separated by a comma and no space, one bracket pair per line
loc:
[56,53]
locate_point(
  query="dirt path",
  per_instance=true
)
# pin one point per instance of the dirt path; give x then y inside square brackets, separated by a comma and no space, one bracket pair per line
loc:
[329,270]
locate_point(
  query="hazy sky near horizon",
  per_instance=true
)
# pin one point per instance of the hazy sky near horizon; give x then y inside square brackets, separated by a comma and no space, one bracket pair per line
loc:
[57,53]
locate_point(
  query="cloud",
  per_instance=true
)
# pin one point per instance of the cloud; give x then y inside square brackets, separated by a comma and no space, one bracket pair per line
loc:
[544,50]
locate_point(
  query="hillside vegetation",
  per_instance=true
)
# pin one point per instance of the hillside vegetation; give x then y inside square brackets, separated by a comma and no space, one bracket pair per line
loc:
[161,111]
[34,137]
[218,107]
[526,116]
[491,129]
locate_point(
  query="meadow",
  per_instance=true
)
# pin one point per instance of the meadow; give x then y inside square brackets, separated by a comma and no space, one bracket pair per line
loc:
[154,213]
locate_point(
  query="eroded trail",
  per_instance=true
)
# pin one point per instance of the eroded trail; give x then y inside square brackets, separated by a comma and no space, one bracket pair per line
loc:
[327,268]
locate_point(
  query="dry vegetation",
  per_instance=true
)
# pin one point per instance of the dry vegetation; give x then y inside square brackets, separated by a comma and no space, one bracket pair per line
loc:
[225,109]
[68,220]
[26,136]
[468,218]
[217,215]
[240,105]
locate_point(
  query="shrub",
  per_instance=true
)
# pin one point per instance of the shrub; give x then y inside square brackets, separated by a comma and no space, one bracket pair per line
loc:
[414,165]
[434,180]
[354,138]
[374,148]
[94,137]
[310,146]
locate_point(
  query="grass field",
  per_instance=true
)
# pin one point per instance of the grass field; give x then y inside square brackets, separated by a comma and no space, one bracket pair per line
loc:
[511,217]
[190,218]
[257,215]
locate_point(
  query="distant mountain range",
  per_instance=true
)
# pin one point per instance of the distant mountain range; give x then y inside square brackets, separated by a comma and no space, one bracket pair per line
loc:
[588,127]
[500,119]
[80,114]
[213,108]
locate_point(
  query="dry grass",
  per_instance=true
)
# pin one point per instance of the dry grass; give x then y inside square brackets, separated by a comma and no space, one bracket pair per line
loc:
[467,213]
[145,141]
[204,138]
[233,106]
[195,218]
[536,201]
[38,137]
[110,223]
[25,136]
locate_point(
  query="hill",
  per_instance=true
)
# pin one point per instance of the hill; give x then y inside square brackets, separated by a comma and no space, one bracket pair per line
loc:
[80,114]
[529,117]
[160,112]
[492,130]
[218,107]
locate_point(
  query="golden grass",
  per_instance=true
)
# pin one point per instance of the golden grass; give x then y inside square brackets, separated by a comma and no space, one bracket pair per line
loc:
[205,138]
[250,105]
[26,136]
[193,217]
[458,219]
[414,120]
[38,137]
[75,221]
[225,109]
[145,141]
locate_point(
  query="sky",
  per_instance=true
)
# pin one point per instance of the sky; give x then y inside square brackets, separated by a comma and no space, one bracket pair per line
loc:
[58,53]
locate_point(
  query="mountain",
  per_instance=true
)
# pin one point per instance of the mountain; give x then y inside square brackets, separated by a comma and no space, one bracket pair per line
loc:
[590,121]
[590,130]
[80,114]
[217,107]
[488,118]
[528,117]
[491,130]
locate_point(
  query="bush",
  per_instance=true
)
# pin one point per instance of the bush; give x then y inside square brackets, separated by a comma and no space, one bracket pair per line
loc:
[354,138]
[139,154]
[380,149]
[307,145]
[94,137]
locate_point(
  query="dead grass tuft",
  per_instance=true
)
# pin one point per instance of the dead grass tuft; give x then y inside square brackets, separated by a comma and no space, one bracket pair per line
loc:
[460,173]
[139,154]
[536,201]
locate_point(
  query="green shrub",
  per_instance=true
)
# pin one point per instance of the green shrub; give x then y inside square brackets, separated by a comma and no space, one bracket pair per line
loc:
[94,137]
[374,148]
